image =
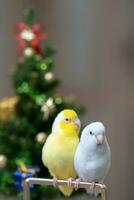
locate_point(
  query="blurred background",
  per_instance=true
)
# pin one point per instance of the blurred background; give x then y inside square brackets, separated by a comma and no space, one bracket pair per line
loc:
[95,60]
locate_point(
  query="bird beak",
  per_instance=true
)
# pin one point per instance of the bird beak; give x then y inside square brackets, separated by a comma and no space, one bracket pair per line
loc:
[77,122]
[100,139]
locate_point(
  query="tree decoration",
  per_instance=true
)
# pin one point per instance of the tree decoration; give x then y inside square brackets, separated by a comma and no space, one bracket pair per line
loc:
[41,137]
[22,173]
[8,108]
[48,108]
[31,35]
[27,34]
[49,77]
[58,100]
[3,161]
[43,66]
[28,52]
[23,88]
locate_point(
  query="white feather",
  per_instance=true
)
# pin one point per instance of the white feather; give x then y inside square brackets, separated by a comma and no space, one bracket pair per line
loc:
[56,125]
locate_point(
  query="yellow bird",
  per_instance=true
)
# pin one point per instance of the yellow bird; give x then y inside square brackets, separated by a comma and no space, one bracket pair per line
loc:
[59,149]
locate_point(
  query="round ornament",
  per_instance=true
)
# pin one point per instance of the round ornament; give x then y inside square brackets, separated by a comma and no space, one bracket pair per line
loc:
[41,137]
[3,161]
[49,76]
[28,52]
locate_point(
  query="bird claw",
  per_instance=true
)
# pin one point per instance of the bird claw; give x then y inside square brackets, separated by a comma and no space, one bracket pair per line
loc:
[55,182]
[77,183]
[92,186]
[69,182]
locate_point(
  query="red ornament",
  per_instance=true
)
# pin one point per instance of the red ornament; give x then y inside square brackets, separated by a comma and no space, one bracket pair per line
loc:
[30,35]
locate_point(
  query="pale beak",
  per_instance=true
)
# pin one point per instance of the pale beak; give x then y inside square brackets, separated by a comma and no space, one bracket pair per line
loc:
[100,139]
[77,122]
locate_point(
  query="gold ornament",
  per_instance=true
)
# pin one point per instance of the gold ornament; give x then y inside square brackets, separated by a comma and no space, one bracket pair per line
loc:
[28,52]
[41,137]
[3,161]
[8,108]
[49,76]
[27,35]
[48,108]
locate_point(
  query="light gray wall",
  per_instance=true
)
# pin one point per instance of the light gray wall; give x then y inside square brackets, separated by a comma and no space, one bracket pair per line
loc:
[94,41]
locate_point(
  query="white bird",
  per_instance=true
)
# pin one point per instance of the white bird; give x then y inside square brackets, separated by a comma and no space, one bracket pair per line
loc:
[92,159]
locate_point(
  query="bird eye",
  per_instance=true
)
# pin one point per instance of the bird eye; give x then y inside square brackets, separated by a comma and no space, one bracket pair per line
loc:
[67,119]
[91,133]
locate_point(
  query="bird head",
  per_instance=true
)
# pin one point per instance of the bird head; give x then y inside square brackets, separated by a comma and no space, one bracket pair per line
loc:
[66,122]
[95,132]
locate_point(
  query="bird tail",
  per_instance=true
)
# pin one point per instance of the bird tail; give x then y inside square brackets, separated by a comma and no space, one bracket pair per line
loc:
[67,191]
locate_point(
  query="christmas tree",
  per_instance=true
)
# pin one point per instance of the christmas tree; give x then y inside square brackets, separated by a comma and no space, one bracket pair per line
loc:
[28,117]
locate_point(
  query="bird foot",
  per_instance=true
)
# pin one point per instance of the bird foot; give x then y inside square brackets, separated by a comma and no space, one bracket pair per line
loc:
[69,184]
[55,181]
[92,186]
[77,183]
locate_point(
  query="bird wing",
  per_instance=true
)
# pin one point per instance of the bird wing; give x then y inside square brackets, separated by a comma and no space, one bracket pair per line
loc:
[58,155]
